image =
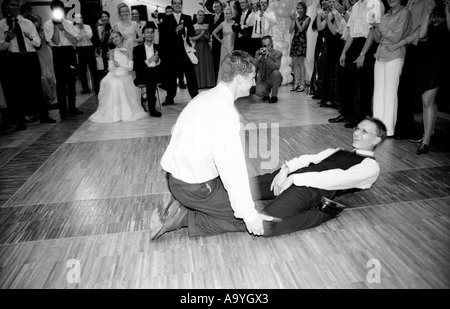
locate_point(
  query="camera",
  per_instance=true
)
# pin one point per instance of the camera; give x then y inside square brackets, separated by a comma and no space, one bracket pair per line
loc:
[57,15]
[263,50]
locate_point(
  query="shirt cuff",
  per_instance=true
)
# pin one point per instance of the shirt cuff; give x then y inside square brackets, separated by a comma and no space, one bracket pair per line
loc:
[252,216]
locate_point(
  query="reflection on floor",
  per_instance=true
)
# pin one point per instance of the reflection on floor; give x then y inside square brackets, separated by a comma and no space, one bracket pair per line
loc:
[84,192]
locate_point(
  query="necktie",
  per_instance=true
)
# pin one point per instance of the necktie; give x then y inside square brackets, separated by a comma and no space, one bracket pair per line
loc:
[19,36]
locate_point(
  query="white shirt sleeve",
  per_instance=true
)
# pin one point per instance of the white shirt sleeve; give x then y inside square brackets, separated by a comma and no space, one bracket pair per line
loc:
[305,160]
[229,159]
[48,30]
[88,31]
[361,176]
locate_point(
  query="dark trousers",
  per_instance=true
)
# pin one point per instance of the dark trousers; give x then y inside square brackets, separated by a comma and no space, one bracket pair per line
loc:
[408,94]
[215,50]
[270,85]
[150,87]
[86,58]
[210,211]
[184,65]
[22,87]
[297,206]
[65,65]
[358,83]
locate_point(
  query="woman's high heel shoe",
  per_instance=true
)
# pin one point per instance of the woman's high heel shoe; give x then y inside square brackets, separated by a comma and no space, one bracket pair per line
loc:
[295,87]
[423,148]
[301,88]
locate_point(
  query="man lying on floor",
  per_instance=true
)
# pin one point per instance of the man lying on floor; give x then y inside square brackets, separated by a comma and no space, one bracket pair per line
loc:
[296,191]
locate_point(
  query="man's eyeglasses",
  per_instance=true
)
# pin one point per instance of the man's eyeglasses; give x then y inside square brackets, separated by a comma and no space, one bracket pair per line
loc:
[363,131]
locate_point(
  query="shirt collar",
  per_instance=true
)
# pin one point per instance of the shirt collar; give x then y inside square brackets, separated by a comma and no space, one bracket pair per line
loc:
[226,91]
[365,153]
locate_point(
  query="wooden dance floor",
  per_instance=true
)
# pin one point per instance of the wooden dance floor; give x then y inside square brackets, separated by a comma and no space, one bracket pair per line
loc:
[84,192]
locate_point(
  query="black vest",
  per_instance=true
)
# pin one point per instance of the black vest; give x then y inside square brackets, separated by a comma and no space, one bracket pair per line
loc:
[342,159]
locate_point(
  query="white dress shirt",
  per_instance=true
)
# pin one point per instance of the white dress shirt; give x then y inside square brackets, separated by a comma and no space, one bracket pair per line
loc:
[262,25]
[206,144]
[177,17]
[27,27]
[63,40]
[149,52]
[361,176]
[358,23]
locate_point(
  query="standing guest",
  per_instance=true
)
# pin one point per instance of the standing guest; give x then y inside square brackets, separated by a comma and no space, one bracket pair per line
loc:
[61,36]
[86,55]
[227,40]
[262,22]
[394,26]
[48,80]
[219,17]
[358,76]
[104,31]
[342,13]
[324,83]
[180,76]
[409,96]
[205,161]
[146,65]
[205,68]
[299,25]
[127,27]
[22,84]
[119,99]
[243,32]
[269,77]
[136,17]
[435,64]
[176,29]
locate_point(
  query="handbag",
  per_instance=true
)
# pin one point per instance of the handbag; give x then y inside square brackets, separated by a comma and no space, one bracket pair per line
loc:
[100,65]
[190,51]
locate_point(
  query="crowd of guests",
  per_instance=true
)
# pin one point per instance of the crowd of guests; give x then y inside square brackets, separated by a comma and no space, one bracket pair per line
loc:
[378,58]
[371,58]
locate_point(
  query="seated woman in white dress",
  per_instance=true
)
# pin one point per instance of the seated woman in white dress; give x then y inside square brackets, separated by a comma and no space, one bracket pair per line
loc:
[119,99]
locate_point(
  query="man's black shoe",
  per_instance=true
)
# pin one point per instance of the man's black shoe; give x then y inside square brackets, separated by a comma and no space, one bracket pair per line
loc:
[167,102]
[265,98]
[339,118]
[330,207]
[47,120]
[155,114]
[273,99]
[75,112]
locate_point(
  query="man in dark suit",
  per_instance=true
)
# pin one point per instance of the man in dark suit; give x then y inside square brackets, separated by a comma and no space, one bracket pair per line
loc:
[269,77]
[215,21]
[174,29]
[243,32]
[146,65]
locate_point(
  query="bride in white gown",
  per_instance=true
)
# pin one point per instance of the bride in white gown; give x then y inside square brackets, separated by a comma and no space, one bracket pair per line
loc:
[119,99]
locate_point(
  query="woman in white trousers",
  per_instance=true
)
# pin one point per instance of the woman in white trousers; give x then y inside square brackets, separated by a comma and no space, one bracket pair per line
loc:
[392,28]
